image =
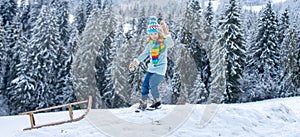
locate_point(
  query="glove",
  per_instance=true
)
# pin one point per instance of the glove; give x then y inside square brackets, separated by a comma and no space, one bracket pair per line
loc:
[133,65]
[164,27]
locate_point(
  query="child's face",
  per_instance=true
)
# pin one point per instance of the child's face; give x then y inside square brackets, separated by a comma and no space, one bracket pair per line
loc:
[154,36]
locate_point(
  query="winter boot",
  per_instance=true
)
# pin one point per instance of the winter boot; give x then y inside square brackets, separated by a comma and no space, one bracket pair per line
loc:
[156,103]
[143,104]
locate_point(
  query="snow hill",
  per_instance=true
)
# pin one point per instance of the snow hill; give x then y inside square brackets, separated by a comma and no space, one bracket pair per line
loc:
[275,118]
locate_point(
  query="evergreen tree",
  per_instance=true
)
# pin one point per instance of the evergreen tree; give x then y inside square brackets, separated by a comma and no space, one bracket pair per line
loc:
[63,21]
[24,16]
[138,34]
[290,63]
[209,15]
[235,57]
[199,37]
[218,67]
[263,63]
[89,7]
[43,59]
[199,93]
[187,80]
[249,28]
[176,87]
[90,46]
[283,26]
[3,96]
[35,8]
[104,73]
[98,4]
[21,86]
[104,68]
[2,56]
[218,73]
[120,68]
[12,32]
[80,17]
[8,10]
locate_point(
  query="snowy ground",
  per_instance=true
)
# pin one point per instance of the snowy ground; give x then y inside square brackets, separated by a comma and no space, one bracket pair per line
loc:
[276,118]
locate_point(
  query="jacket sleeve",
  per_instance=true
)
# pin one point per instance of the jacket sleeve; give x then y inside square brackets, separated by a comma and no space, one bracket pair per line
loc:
[144,55]
[168,41]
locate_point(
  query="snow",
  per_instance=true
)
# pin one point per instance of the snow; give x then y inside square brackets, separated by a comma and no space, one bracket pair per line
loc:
[278,1]
[276,118]
[257,8]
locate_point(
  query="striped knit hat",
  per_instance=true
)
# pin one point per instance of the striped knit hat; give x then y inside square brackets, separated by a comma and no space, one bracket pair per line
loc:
[153,25]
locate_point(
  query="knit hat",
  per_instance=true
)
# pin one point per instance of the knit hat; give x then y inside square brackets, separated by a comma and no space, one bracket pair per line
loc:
[153,25]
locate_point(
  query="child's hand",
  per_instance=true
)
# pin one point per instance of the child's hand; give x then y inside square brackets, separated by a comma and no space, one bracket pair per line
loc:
[133,65]
[164,27]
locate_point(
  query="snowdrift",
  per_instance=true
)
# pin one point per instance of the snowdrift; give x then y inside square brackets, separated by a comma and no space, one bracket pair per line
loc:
[277,117]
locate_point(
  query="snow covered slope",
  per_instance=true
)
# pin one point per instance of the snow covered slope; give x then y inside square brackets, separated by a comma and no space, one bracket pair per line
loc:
[276,118]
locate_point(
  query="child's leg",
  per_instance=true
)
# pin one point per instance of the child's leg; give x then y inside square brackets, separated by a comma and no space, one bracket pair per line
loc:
[154,81]
[145,86]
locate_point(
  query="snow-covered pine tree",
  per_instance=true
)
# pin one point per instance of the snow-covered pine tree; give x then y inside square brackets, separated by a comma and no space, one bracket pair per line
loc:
[98,3]
[63,21]
[176,87]
[89,48]
[35,8]
[218,67]
[103,76]
[43,58]
[104,67]
[199,37]
[12,32]
[234,43]
[249,27]
[171,88]
[199,93]
[8,10]
[218,73]
[119,68]
[3,97]
[284,25]
[186,75]
[263,60]
[84,60]
[106,4]
[209,14]
[290,61]
[74,38]
[187,24]
[89,8]
[64,84]
[22,86]
[24,16]
[80,17]
[109,21]
[2,56]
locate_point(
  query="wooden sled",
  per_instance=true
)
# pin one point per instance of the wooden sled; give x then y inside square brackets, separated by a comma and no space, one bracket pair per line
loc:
[32,120]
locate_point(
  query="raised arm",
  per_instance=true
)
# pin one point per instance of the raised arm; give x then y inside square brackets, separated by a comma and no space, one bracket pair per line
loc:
[168,39]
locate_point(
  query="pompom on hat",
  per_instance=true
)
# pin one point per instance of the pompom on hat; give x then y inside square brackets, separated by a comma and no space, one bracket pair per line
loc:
[153,25]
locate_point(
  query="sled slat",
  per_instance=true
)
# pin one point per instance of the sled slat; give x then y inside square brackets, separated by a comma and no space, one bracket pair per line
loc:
[70,112]
[55,107]
[72,119]
[32,122]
